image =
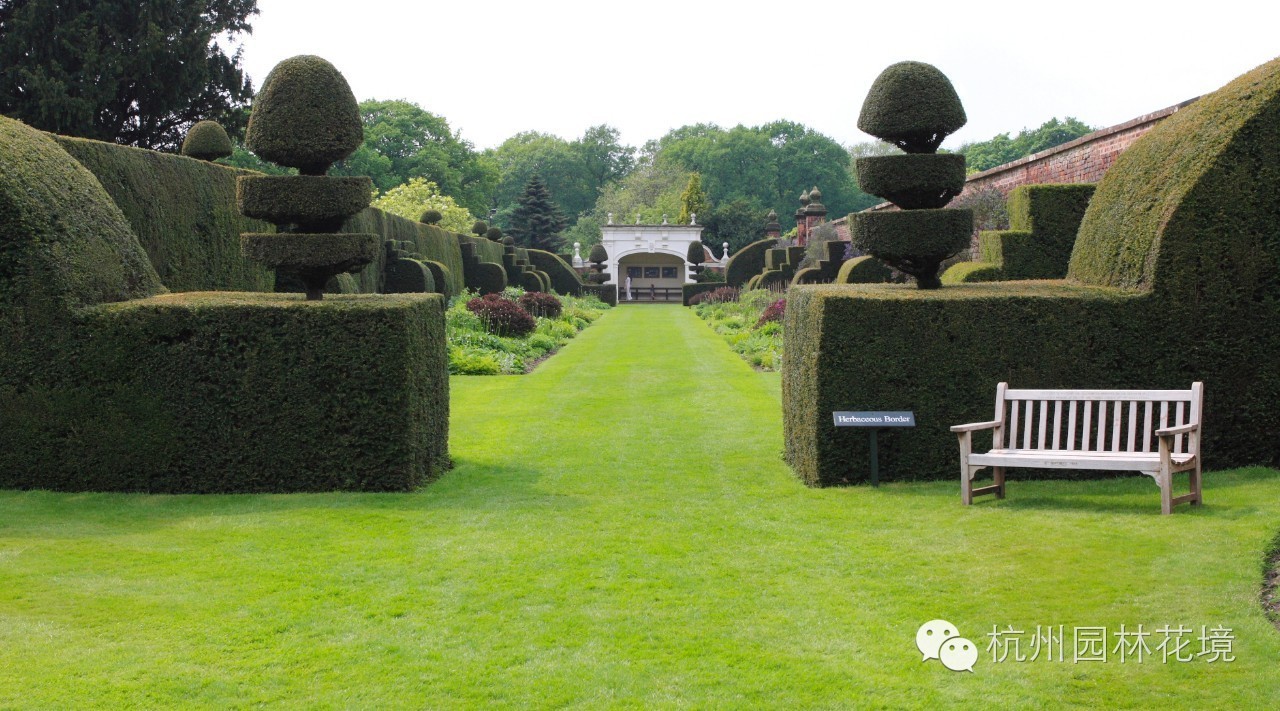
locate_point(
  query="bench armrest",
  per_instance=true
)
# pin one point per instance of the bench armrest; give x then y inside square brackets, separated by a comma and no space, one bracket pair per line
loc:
[975,426]
[1181,429]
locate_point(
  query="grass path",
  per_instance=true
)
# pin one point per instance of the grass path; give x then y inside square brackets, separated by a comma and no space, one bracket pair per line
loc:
[620,531]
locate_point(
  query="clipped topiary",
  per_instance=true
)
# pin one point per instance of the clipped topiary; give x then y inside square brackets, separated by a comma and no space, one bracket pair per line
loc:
[206,140]
[495,235]
[598,256]
[431,217]
[306,117]
[913,106]
[479,228]
[696,255]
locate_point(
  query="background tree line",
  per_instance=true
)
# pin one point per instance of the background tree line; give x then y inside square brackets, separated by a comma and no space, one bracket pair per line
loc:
[142,72]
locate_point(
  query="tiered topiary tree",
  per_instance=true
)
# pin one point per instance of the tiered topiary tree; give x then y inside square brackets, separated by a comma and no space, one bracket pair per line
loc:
[306,117]
[207,140]
[696,256]
[913,106]
[599,255]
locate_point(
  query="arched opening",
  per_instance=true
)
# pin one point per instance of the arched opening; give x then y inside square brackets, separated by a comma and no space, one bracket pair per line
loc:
[654,277]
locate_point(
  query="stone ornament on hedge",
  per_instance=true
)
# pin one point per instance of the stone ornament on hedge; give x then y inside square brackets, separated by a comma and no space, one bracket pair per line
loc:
[913,106]
[306,117]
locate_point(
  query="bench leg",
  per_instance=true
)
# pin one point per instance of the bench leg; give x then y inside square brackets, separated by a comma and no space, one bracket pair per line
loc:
[1195,485]
[1165,481]
[997,474]
[966,485]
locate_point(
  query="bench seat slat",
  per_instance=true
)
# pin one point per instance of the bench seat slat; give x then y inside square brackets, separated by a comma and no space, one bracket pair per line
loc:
[1075,459]
[1156,395]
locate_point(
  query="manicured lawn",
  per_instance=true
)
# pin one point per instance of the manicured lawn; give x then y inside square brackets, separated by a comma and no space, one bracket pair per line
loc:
[620,531]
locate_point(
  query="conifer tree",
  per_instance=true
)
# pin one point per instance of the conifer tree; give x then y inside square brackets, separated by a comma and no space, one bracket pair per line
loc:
[536,222]
[693,201]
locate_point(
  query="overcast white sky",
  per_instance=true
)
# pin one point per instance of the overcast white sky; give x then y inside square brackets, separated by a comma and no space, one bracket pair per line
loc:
[493,68]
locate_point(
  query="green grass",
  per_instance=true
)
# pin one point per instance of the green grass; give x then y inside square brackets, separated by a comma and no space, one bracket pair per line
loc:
[620,531]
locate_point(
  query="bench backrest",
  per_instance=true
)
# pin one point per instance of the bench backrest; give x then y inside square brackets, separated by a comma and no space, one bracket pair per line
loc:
[1094,420]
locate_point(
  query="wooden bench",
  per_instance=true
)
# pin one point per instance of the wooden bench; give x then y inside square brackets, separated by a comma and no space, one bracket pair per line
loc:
[1155,432]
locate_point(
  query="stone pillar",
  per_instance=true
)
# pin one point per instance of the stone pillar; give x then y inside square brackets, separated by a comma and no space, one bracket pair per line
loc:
[802,225]
[815,213]
[772,230]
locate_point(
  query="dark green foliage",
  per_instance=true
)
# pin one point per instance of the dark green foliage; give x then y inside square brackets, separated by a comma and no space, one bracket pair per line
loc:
[138,73]
[738,222]
[487,278]
[598,254]
[207,140]
[183,212]
[1001,149]
[827,270]
[530,281]
[608,293]
[405,273]
[536,220]
[862,270]
[310,250]
[314,203]
[1183,228]
[1045,219]
[403,141]
[694,293]
[564,278]
[747,262]
[914,242]
[429,242]
[479,228]
[697,253]
[948,349]
[305,117]
[439,276]
[913,180]
[913,106]
[64,243]
[431,217]
[494,234]
[200,393]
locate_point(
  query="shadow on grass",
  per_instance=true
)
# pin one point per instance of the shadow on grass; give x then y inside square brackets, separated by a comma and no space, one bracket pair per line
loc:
[468,487]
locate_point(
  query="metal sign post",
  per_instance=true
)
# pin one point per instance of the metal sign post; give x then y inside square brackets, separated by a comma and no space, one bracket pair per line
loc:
[873,421]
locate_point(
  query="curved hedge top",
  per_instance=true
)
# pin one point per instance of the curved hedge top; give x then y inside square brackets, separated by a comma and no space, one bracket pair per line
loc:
[1194,198]
[66,244]
[912,105]
[747,262]
[305,116]
[207,140]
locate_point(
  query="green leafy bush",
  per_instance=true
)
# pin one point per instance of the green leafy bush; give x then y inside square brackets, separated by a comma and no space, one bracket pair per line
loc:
[540,304]
[501,316]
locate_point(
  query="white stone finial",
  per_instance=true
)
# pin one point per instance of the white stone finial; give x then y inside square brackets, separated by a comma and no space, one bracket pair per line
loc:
[693,218]
[637,218]
[664,218]
[611,218]
[577,254]
[725,257]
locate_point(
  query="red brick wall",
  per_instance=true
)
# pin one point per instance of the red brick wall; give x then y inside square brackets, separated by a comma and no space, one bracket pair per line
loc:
[1083,160]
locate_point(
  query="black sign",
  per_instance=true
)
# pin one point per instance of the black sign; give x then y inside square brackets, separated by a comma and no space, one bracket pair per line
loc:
[898,418]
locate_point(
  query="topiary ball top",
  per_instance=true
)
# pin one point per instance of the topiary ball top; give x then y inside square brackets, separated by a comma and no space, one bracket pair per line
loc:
[599,255]
[431,217]
[479,228]
[913,106]
[508,241]
[697,254]
[494,233]
[206,140]
[305,116]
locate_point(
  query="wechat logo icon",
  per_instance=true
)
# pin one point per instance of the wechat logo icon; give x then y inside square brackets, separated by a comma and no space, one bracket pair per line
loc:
[939,639]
